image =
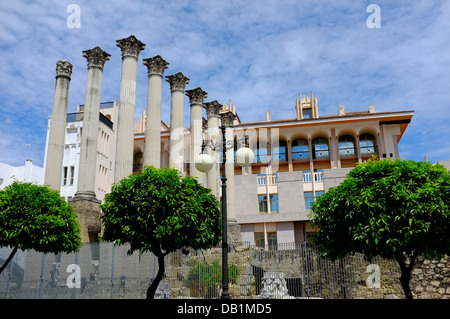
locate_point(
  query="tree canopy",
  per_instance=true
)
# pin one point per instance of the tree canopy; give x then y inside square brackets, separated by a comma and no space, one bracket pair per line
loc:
[36,217]
[160,211]
[396,209]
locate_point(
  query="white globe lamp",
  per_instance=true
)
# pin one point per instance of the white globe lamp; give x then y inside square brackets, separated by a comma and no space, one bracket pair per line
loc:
[203,163]
[244,156]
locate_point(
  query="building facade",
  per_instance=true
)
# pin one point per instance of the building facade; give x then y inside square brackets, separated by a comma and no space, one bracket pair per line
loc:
[298,160]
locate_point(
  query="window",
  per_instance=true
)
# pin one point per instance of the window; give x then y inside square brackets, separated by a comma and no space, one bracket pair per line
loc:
[319,193]
[259,239]
[274,203]
[309,199]
[65,175]
[367,144]
[271,238]
[261,152]
[261,155]
[72,174]
[281,152]
[300,150]
[307,113]
[347,146]
[262,199]
[320,148]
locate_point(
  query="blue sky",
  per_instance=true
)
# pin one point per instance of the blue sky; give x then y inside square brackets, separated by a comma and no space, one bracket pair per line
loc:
[260,54]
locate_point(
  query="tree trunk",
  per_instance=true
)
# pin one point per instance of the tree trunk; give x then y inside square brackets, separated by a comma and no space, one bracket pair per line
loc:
[406,274]
[154,285]
[11,255]
[404,279]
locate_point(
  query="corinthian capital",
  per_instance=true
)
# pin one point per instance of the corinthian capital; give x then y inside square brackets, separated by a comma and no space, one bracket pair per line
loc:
[212,108]
[96,57]
[177,81]
[130,46]
[228,118]
[196,96]
[63,68]
[156,65]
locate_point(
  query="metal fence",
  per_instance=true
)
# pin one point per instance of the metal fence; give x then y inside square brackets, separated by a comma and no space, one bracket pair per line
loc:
[104,270]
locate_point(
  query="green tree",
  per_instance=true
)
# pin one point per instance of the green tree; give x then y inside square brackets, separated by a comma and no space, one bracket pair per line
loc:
[396,209]
[36,217]
[160,211]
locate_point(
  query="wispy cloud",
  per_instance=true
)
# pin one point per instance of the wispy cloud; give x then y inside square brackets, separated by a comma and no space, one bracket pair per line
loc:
[259,53]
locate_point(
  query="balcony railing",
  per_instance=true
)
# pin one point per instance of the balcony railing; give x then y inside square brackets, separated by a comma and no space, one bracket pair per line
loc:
[347,152]
[324,154]
[318,177]
[368,150]
[300,156]
[267,179]
[76,117]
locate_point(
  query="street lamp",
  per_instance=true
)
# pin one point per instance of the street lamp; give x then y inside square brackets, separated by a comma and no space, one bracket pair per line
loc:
[203,163]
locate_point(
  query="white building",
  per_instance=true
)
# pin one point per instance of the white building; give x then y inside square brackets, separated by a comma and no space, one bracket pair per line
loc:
[26,173]
[72,147]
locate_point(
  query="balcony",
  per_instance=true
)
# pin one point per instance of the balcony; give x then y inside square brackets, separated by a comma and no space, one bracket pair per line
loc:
[368,151]
[300,156]
[318,177]
[321,155]
[264,179]
[347,152]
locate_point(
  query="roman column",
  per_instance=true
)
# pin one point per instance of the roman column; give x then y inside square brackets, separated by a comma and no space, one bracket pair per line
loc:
[213,140]
[152,148]
[196,97]
[87,171]
[131,47]
[176,130]
[227,119]
[233,229]
[57,131]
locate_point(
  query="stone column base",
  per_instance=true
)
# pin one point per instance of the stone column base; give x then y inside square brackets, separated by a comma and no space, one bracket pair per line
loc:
[234,232]
[88,211]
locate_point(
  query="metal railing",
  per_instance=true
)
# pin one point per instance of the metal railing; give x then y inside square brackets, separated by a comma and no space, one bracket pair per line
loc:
[318,177]
[104,270]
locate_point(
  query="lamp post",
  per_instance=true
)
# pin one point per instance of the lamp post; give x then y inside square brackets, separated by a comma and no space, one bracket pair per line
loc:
[204,162]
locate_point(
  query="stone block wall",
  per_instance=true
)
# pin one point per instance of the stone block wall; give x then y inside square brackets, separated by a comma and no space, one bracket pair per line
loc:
[430,279]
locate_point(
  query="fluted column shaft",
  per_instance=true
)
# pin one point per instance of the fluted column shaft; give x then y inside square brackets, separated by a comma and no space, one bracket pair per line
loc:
[227,119]
[176,130]
[212,112]
[152,149]
[55,148]
[131,48]
[89,139]
[196,97]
